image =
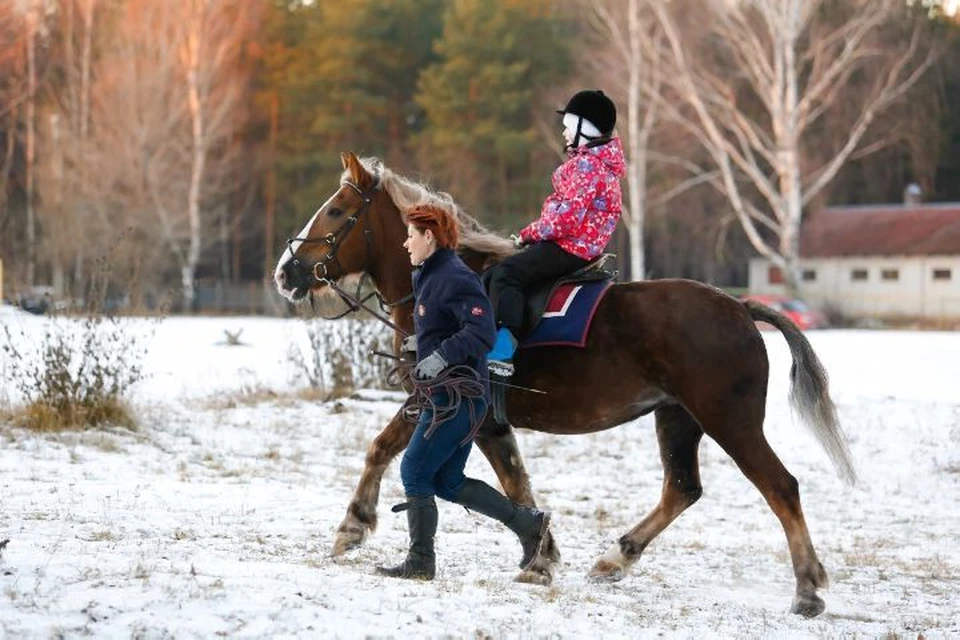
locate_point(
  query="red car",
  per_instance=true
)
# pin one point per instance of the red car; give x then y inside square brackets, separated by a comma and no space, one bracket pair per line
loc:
[797,310]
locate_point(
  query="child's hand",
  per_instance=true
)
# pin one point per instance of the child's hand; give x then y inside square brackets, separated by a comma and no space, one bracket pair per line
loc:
[517,241]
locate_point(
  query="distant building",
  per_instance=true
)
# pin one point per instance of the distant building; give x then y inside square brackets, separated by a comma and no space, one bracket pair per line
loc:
[877,260]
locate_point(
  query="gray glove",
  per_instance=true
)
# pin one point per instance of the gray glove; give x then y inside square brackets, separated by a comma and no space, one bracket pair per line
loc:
[517,240]
[430,367]
[409,344]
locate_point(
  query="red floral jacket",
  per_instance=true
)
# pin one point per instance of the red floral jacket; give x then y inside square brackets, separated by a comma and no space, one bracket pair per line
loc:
[582,212]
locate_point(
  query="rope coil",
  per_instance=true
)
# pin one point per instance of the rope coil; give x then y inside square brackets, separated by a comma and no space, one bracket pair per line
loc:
[457,383]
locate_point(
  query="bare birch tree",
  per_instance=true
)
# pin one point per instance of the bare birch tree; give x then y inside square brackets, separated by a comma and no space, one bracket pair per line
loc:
[628,61]
[170,102]
[750,78]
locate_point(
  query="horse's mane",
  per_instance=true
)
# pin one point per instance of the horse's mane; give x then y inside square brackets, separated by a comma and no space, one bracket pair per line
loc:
[407,194]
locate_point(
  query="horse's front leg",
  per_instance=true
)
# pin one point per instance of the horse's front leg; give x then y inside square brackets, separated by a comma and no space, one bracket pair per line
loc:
[361,516]
[499,446]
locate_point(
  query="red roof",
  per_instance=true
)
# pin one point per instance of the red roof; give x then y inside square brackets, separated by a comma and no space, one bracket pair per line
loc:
[882,230]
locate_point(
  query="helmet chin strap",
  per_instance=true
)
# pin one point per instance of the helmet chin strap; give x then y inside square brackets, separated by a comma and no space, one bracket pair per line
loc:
[579,134]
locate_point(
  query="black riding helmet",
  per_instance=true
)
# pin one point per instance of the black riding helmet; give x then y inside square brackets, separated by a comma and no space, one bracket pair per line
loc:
[595,106]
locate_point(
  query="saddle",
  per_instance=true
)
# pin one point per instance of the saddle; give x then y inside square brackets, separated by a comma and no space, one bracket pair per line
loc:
[603,268]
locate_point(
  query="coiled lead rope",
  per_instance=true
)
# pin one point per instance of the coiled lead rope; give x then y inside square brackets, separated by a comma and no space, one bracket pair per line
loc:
[457,383]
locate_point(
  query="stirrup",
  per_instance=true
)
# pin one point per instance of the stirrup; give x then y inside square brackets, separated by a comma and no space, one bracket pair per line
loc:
[500,368]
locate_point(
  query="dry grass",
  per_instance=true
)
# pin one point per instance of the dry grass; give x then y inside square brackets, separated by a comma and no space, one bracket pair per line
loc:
[102,536]
[244,397]
[103,441]
[42,417]
[257,395]
[140,572]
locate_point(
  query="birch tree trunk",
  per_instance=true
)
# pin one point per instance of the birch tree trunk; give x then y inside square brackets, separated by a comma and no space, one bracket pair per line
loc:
[31,230]
[637,155]
[199,152]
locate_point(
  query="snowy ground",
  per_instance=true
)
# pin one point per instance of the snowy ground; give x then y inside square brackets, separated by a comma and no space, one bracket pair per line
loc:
[216,518]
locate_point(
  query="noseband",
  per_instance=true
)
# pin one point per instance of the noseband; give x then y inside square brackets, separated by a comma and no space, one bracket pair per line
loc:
[334,239]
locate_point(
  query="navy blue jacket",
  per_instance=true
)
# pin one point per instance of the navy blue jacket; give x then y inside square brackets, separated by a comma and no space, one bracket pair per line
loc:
[451,313]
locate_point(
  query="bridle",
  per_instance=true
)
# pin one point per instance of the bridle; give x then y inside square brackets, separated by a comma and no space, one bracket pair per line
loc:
[333,240]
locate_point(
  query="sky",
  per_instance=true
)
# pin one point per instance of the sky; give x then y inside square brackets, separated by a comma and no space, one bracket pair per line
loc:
[216,516]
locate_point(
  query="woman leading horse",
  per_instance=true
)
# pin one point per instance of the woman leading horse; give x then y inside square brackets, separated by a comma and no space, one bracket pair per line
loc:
[454,331]
[683,350]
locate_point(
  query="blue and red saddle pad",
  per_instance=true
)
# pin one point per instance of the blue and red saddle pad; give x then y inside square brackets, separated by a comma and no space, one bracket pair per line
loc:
[565,321]
[567,316]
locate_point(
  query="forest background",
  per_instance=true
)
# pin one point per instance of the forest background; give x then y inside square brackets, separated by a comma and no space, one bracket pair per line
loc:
[170,146]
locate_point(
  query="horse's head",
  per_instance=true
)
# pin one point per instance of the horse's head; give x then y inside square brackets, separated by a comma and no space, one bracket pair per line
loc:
[330,246]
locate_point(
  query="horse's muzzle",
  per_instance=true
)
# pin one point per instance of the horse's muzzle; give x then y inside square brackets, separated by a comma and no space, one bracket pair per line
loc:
[294,280]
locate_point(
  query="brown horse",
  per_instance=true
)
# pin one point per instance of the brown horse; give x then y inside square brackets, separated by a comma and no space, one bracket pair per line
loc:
[686,351]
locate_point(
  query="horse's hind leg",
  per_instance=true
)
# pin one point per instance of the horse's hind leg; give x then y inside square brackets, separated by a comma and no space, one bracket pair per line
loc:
[679,436]
[499,446]
[752,453]
[361,515]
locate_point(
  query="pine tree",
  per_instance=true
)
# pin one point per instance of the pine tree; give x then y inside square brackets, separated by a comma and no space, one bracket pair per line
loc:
[496,59]
[343,74]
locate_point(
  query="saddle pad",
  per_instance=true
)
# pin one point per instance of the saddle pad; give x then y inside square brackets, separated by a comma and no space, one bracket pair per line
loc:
[567,317]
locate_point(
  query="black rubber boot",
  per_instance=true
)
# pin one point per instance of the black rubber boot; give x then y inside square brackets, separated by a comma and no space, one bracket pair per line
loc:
[529,523]
[421,562]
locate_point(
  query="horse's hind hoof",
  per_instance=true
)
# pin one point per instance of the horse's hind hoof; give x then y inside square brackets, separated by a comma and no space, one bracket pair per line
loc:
[535,575]
[537,572]
[808,606]
[606,571]
[347,541]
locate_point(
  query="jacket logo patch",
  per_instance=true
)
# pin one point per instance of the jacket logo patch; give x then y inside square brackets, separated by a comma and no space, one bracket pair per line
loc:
[421,310]
[477,311]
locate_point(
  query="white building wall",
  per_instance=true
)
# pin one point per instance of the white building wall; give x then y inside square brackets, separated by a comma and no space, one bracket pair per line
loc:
[915,292]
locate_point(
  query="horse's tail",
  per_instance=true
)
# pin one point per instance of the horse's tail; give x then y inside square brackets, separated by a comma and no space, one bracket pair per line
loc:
[809,394]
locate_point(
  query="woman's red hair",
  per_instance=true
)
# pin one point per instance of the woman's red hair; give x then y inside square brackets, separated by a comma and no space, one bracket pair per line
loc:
[439,221]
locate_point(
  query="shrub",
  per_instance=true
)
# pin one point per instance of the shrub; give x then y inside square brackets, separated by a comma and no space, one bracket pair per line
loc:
[341,352]
[77,375]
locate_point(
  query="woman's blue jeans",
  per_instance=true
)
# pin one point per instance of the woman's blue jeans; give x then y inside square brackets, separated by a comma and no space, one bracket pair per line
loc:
[434,466]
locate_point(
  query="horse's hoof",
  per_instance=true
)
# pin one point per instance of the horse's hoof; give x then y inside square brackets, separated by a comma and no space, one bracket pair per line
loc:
[347,541]
[535,575]
[808,606]
[606,571]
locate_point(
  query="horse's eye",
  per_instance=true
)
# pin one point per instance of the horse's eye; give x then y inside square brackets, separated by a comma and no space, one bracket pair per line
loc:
[335,212]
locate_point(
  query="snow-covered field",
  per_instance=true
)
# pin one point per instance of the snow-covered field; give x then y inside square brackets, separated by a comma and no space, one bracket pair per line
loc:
[216,518]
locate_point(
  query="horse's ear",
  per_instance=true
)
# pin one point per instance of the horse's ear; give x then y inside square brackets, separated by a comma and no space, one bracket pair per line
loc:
[352,164]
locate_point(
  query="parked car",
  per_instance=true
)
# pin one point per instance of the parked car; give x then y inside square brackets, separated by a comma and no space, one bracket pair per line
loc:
[36,300]
[795,309]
